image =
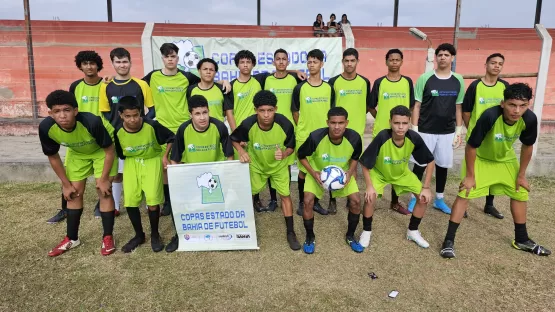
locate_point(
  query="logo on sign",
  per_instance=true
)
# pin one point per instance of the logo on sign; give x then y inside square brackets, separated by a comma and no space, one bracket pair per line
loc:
[208,237]
[243,236]
[189,55]
[210,187]
[225,237]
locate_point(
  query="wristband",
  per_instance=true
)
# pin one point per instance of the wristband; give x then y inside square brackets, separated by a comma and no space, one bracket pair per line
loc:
[458,130]
[414,128]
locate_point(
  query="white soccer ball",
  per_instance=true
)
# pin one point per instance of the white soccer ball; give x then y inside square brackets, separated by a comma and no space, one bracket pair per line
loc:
[191,59]
[333,178]
[212,183]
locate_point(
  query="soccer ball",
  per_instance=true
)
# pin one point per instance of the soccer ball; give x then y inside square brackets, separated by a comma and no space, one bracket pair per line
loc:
[191,59]
[333,178]
[212,183]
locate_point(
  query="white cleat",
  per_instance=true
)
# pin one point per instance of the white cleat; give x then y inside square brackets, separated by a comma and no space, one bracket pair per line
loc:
[416,237]
[364,240]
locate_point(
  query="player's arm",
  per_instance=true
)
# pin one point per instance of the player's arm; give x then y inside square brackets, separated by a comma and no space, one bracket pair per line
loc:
[418,96]
[368,94]
[178,145]
[372,102]
[117,144]
[368,160]
[241,134]
[147,95]
[225,141]
[468,102]
[104,140]
[289,142]
[307,149]
[296,102]
[356,142]
[163,136]
[103,103]
[458,113]
[228,107]
[422,155]
[528,138]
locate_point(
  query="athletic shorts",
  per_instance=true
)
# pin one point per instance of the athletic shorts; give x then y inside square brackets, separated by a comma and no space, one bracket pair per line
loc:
[441,146]
[495,178]
[280,181]
[79,168]
[407,183]
[311,186]
[143,176]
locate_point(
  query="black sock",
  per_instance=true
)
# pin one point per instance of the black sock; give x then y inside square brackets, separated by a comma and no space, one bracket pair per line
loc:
[489,200]
[72,223]
[108,222]
[154,218]
[135,218]
[441,179]
[418,171]
[289,224]
[394,197]
[316,200]
[273,194]
[414,223]
[256,197]
[352,223]
[367,223]
[166,193]
[521,235]
[309,227]
[64,203]
[451,231]
[333,199]
[301,189]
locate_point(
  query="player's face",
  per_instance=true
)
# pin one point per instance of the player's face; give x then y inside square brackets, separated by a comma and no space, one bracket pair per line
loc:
[444,59]
[64,115]
[394,62]
[170,60]
[245,66]
[200,118]
[266,114]
[399,124]
[207,72]
[337,125]
[131,119]
[89,68]
[514,109]
[494,66]
[314,65]
[121,65]
[281,61]
[350,64]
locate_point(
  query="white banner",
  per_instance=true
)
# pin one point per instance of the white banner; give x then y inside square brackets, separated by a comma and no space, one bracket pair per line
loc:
[223,51]
[212,206]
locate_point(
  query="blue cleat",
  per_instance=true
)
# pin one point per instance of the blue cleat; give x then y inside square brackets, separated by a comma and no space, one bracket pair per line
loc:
[355,246]
[441,205]
[309,246]
[411,205]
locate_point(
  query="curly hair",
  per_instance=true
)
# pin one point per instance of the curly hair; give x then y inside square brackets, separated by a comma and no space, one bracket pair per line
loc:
[88,56]
[446,47]
[196,101]
[61,97]
[264,97]
[245,54]
[518,91]
[207,60]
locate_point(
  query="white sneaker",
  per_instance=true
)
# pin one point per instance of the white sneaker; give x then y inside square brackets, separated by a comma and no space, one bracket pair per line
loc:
[365,238]
[416,237]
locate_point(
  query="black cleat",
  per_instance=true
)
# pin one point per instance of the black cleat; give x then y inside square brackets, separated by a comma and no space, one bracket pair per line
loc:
[293,242]
[465,214]
[58,217]
[156,242]
[319,209]
[492,211]
[133,243]
[173,244]
[167,209]
[257,205]
[532,247]
[332,207]
[447,250]
[300,209]
[272,205]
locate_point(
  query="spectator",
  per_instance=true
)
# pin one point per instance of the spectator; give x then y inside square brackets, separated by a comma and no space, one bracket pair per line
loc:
[344,20]
[332,26]
[318,26]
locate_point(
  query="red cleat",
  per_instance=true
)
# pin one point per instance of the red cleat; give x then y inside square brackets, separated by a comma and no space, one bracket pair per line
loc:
[108,245]
[64,246]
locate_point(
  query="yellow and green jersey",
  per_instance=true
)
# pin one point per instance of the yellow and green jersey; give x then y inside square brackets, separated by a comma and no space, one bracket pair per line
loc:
[387,94]
[354,96]
[283,89]
[145,143]
[494,138]
[312,103]
[243,93]
[87,96]
[111,93]
[479,97]
[218,102]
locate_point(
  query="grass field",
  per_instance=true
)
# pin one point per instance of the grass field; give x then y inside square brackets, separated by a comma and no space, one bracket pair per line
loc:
[488,275]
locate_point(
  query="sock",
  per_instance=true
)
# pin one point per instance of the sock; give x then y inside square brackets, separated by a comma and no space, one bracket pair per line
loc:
[521,235]
[135,218]
[439,195]
[451,231]
[394,197]
[441,179]
[107,222]
[331,197]
[367,223]
[301,189]
[418,171]
[414,223]
[166,193]
[489,200]
[352,221]
[154,218]
[256,197]
[316,201]
[273,193]
[289,224]
[116,192]
[64,203]
[309,227]
[72,223]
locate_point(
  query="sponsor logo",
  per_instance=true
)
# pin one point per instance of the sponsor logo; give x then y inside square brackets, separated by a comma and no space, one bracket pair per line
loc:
[115,99]
[394,95]
[330,158]
[263,147]
[225,237]
[388,161]
[243,236]
[208,237]
[200,148]
[435,93]
[190,238]
[499,137]
[488,101]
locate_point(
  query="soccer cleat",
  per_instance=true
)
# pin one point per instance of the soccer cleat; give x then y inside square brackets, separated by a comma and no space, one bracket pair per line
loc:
[173,244]
[532,247]
[416,237]
[355,246]
[108,245]
[300,209]
[332,207]
[447,249]
[97,210]
[272,205]
[167,209]
[309,246]
[319,209]
[465,214]
[399,208]
[293,242]
[364,239]
[116,213]
[257,205]
[440,204]
[411,205]
[58,217]
[65,245]
[492,211]
[156,242]
[133,243]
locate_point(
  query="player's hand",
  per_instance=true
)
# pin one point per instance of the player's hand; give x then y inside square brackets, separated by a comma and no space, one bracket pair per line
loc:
[425,195]
[226,86]
[467,184]
[522,181]
[279,154]
[244,157]
[243,144]
[370,194]
[165,162]
[348,176]
[301,74]
[316,176]
[69,192]
[107,79]
[457,140]
[104,186]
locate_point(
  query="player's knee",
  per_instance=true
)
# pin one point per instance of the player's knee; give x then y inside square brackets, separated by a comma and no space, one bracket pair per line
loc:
[354,203]
[308,203]
[153,208]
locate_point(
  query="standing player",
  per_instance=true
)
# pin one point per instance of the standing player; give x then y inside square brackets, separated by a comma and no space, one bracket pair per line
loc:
[482,94]
[388,92]
[333,145]
[92,153]
[200,139]
[491,165]
[312,99]
[271,139]
[139,141]
[437,117]
[386,161]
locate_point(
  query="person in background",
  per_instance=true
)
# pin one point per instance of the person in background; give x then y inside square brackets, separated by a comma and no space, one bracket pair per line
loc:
[344,20]
[318,26]
[332,26]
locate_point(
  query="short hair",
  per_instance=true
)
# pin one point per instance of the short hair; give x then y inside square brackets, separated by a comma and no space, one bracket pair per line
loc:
[393,51]
[197,101]
[280,50]
[518,91]
[207,60]
[333,15]
[61,97]
[495,55]
[245,54]
[128,102]
[168,48]
[338,111]
[446,47]
[264,97]
[399,110]
[317,54]
[119,53]
[88,56]
[350,51]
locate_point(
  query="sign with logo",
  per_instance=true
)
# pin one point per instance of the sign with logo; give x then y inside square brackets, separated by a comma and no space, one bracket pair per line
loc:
[212,206]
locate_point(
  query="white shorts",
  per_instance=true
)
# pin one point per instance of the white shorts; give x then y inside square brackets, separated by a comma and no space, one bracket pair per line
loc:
[441,146]
[120,165]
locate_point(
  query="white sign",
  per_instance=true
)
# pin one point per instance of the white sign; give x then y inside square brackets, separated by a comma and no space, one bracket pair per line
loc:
[212,206]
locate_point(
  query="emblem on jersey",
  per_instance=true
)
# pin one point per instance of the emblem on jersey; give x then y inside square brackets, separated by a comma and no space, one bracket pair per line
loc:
[272,90]
[386,96]
[481,101]
[435,93]
[211,189]
[308,100]
[256,146]
[191,148]
[189,55]
[115,99]
[161,89]
[84,99]
[130,149]
[387,160]
[325,157]
[342,93]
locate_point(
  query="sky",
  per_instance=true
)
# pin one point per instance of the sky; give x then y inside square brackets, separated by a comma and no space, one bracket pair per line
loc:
[474,13]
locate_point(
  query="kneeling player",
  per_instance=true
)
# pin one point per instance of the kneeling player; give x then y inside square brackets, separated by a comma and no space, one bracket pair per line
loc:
[92,152]
[334,145]
[491,166]
[271,139]
[139,141]
[385,161]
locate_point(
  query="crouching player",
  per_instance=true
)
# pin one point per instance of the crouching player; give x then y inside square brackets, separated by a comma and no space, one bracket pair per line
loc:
[385,161]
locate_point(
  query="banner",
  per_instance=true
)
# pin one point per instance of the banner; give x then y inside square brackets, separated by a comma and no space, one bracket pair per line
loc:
[212,206]
[223,50]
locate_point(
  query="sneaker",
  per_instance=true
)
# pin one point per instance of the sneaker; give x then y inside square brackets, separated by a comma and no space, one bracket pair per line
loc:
[272,206]
[166,210]
[319,209]
[257,205]
[97,211]
[465,214]
[416,237]
[411,205]
[65,245]
[492,211]
[332,207]
[173,244]
[355,246]
[532,247]
[133,243]
[440,204]
[108,245]
[58,217]
[156,242]
[447,250]
[309,246]
[300,209]
[399,208]
[293,242]
[116,213]
[364,239]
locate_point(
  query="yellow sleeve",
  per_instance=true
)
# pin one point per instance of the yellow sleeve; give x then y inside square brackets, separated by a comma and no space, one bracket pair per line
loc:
[103,104]
[147,93]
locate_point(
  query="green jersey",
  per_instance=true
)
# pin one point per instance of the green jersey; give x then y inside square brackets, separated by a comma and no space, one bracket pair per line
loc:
[145,143]
[192,146]
[312,103]
[493,137]
[322,152]
[218,102]
[387,94]
[86,96]
[354,96]
[480,97]
[262,144]
[111,93]
[392,161]
[283,89]
[243,93]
